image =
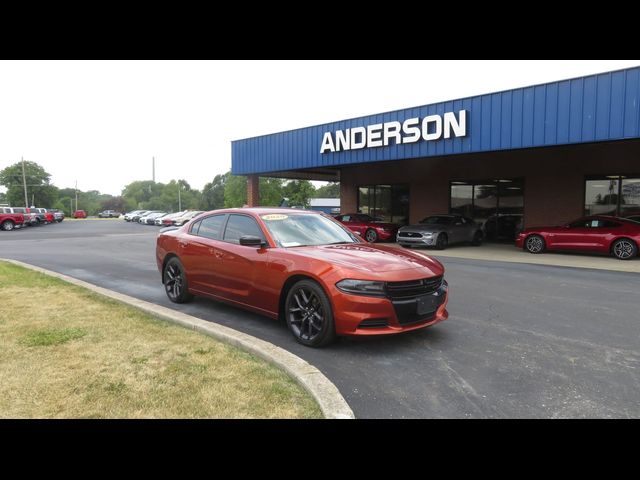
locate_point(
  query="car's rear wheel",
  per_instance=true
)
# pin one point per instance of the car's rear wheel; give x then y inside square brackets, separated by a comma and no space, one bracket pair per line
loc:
[175,282]
[371,235]
[624,249]
[442,241]
[308,314]
[534,244]
[7,225]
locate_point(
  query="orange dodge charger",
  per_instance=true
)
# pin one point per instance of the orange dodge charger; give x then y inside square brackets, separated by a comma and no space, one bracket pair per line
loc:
[304,267]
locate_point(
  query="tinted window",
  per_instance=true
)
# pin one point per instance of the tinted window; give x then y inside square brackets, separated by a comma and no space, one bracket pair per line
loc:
[437,220]
[193,230]
[240,225]
[211,227]
[19,210]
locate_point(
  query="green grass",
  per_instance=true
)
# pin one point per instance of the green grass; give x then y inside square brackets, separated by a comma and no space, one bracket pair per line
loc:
[76,354]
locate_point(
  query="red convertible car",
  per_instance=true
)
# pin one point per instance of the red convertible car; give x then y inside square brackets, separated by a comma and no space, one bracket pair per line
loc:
[370,229]
[304,267]
[612,235]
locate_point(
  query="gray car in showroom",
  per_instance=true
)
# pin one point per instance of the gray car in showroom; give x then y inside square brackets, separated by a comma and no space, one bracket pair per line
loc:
[440,231]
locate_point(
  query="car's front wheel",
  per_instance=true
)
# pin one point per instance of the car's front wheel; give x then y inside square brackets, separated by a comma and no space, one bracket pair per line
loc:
[442,241]
[534,244]
[624,249]
[175,282]
[308,314]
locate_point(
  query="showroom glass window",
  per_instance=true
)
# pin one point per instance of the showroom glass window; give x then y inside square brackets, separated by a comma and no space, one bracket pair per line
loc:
[496,204]
[617,195]
[387,203]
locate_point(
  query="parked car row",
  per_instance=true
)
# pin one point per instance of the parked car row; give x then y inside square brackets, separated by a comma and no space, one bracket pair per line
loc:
[18,217]
[160,218]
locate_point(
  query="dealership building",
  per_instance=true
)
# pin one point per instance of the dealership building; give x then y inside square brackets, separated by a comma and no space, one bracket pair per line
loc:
[543,154]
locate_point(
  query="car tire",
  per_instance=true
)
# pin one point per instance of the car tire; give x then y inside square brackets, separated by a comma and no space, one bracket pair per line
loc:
[7,225]
[308,314]
[477,239]
[624,249]
[534,244]
[371,235]
[175,283]
[442,241]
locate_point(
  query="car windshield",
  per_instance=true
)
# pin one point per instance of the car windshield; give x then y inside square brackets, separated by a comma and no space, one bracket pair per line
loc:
[297,230]
[437,220]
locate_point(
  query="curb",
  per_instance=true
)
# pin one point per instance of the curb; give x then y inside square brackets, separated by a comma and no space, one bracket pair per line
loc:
[331,402]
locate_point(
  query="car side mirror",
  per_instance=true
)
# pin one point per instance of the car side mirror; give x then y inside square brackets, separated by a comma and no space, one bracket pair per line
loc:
[252,241]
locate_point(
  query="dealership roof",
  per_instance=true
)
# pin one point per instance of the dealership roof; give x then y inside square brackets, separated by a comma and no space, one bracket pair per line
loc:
[594,108]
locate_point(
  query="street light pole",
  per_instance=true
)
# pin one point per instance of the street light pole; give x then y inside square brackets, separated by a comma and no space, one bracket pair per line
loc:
[24,182]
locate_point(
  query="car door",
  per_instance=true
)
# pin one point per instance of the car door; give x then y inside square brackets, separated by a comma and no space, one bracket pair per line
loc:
[242,269]
[578,235]
[198,253]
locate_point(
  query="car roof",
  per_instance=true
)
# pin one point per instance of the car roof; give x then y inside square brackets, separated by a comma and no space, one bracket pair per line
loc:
[265,210]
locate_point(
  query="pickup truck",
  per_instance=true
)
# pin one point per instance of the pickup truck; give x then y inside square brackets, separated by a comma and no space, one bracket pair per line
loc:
[9,221]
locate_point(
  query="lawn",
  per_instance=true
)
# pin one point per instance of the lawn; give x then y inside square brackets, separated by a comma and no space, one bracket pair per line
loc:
[66,352]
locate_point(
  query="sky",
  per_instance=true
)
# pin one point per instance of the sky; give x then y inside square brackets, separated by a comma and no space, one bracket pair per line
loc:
[100,122]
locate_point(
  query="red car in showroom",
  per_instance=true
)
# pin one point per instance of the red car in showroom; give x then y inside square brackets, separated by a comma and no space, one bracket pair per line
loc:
[599,233]
[367,226]
[304,267]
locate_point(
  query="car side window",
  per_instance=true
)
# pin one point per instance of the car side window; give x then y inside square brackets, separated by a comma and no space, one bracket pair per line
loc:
[211,227]
[345,218]
[240,225]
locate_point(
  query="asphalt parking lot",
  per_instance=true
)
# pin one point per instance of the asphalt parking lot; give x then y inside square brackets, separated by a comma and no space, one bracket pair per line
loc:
[522,341]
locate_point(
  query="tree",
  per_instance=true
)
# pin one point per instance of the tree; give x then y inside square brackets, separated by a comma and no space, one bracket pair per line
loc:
[330,190]
[213,193]
[298,192]
[235,191]
[3,197]
[39,190]
[119,204]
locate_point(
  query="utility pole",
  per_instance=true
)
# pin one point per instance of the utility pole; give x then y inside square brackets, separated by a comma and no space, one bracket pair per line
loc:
[24,182]
[153,169]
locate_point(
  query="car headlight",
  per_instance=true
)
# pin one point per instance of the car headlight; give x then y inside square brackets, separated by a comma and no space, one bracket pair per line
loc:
[362,287]
[427,234]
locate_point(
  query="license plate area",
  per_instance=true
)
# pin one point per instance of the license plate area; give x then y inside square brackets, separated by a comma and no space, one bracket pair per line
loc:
[427,304]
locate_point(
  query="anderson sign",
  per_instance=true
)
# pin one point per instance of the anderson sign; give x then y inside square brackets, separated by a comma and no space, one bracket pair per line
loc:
[432,127]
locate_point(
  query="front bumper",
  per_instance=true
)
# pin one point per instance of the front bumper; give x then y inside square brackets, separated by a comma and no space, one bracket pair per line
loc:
[417,240]
[363,315]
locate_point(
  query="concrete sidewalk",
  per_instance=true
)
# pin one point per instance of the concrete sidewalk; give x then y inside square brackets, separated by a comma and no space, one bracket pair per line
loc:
[509,253]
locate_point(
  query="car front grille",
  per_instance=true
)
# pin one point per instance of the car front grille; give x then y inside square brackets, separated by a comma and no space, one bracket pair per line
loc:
[413,288]
[410,234]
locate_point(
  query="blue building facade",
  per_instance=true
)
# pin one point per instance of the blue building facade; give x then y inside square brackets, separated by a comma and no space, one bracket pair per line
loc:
[416,158]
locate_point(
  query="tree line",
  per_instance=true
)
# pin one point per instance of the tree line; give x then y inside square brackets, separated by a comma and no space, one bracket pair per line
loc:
[225,190]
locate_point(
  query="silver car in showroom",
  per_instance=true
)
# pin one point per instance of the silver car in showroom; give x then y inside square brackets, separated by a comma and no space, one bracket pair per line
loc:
[440,231]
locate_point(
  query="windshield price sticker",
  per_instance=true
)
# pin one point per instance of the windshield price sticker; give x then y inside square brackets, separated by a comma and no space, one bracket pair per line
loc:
[274,216]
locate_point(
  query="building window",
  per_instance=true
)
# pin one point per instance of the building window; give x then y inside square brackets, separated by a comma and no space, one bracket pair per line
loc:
[617,195]
[496,204]
[388,203]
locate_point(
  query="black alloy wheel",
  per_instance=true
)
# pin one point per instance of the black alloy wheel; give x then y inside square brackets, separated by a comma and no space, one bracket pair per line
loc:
[534,244]
[442,241]
[371,235]
[308,314]
[175,282]
[624,249]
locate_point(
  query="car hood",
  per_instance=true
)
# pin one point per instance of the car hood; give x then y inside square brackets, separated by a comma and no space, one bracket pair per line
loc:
[423,227]
[375,260]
